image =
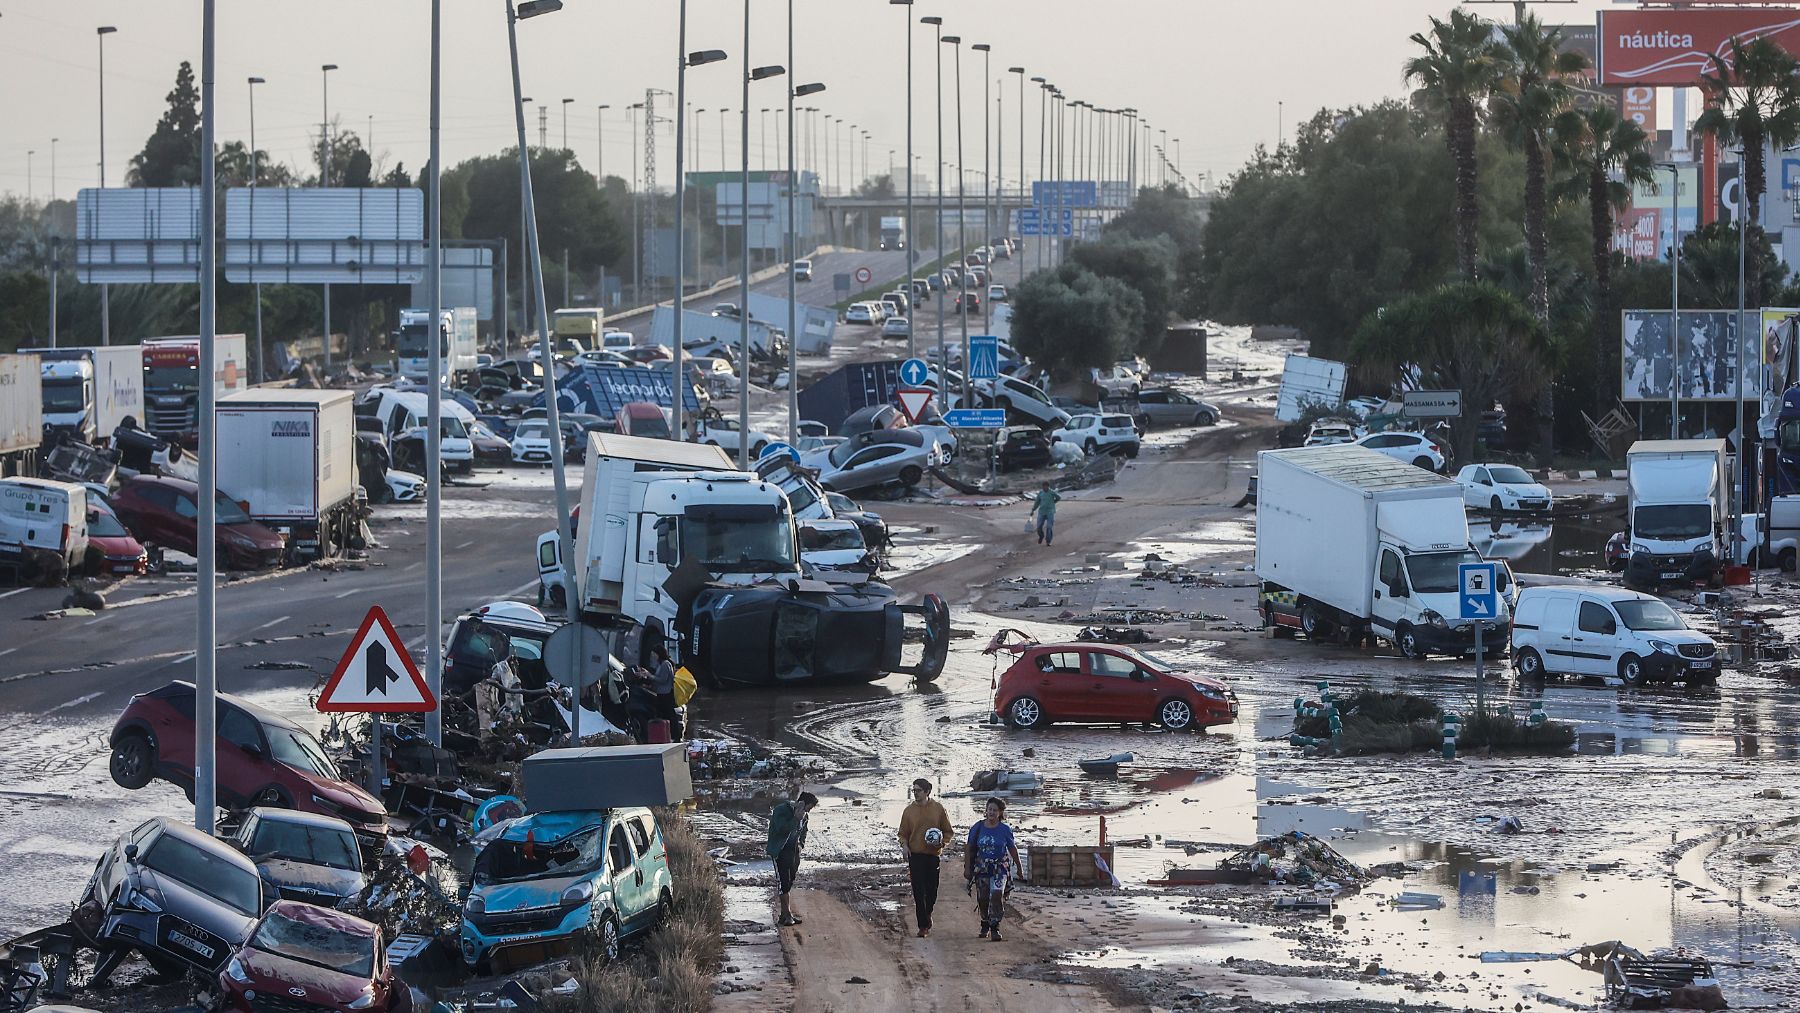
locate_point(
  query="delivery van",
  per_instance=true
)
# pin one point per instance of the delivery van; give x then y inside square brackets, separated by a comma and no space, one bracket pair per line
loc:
[1608,631]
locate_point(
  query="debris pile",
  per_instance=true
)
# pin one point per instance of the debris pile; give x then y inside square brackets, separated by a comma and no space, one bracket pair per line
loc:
[1295,857]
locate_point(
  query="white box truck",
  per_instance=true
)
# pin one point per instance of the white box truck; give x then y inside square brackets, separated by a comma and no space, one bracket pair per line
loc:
[1307,381]
[457,344]
[43,528]
[21,414]
[87,392]
[1680,511]
[1354,544]
[814,325]
[290,456]
[172,382]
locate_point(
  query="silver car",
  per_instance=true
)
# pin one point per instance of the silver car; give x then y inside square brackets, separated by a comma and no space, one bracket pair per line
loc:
[876,459]
[1161,407]
[304,856]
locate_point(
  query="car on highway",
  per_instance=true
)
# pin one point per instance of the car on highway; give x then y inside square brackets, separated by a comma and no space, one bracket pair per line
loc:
[897,303]
[531,442]
[1413,448]
[1503,488]
[305,957]
[836,546]
[876,459]
[921,289]
[615,339]
[1099,434]
[895,327]
[1024,399]
[1160,406]
[1119,381]
[996,293]
[181,898]
[1083,682]
[164,511]
[110,548]
[1021,447]
[803,269]
[494,633]
[859,313]
[641,418]
[302,856]
[561,348]
[930,428]
[614,356]
[727,309]
[262,758]
[967,302]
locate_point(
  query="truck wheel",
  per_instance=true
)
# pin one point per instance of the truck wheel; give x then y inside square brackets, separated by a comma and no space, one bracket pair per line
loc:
[1313,622]
[133,762]
[910,475]
[1025,712]
[1175,715]
[1631,669]
[1406,641]
[1529,663]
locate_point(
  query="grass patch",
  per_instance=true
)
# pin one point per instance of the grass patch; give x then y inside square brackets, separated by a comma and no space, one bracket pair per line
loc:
[1382,722]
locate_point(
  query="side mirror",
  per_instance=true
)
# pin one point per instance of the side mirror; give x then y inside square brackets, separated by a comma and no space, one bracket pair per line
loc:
[1139,675]
[1610,628]
[1397,589]
[131,852]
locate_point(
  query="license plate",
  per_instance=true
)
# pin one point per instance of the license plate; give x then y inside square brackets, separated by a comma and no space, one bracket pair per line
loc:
[188,942]
[1700,664]
[1672,576]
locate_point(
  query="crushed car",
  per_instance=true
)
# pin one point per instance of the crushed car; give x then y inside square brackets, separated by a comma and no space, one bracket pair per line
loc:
[302,856]
[307,958]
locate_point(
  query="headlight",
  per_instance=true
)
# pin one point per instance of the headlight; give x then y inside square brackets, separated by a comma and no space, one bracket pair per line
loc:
[136,898]
[1636,548]
[476,904]
[1663,647]
[1434,619]
[580,893]
[363,1001]
[235,971]
[326,804]
[1209,693]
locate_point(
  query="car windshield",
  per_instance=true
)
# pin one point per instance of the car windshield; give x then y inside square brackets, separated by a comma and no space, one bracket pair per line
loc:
[454,428]
[801,496]
[214,875]
[300,842]
[653,427]
[531,431]
[515,861]
[227,511]
[297,748]
[1024,389]
[64,395]
[835,539]
[171,379]
[104,525]
[1787,433]
[1507,474]
[1649,614]
[318,945]
[415,340]
[1672,521]
[1435,572]
[840,503]
[743,539]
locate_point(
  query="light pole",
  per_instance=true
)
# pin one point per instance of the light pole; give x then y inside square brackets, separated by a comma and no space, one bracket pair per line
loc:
[829,175]
[325,181]
[255,171]
[1021,72]
[29,177]
[962,223]
[600,147]
[434,403]
[987,74]
[53,142]
[1043,120]
[678,381]
[1674,298]
[938,232]
[793,250]
[105,293]
[762,139]
[750,74]
[637,266]
[552,416]
[565,112]
[206,550]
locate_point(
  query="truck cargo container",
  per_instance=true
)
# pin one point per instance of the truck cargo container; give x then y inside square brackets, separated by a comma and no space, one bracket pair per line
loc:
[814,326]
[21,414]
[697,328]
[87,392]
[290,456]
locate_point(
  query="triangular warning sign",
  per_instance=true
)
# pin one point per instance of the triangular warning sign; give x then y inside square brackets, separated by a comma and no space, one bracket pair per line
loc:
[913,402]
[376,675]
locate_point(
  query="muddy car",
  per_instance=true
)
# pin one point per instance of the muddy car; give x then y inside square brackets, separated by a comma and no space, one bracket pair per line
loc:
[303,957]
[852,632]
[302,856]
[180,898]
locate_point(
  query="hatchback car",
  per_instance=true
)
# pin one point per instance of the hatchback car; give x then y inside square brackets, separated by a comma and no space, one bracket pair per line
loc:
[1326,434]
[968,302]
[895,327]
[643,419]
[110,548]
[996,293]
[1502,487]
[531,442]
[263,758]
[1100,434]
[489,447]
[646,354]
[165,511]
[1079,682]
[1413,448]
[1607,631]
[302,856]
[304,957]
[859,313]
[875,459]
[1162,407]
[550,881]
[1020,447]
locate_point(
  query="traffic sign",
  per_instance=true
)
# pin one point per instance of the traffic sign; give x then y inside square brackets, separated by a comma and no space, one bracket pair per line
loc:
[915,373]
[864,275]
[775,449]
[1046,222]
[975,418]
[376,675]
[1067,193]
[913,401]
[1476,594]
[984,357]
[1432,404]
[576,652]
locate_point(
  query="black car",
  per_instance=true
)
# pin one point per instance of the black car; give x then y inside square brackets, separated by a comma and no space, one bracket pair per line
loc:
[492,634]
[1021,447]
[874,529]
[302,856]
[815,630]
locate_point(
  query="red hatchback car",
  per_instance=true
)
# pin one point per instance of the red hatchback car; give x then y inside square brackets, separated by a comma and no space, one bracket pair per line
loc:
[263,758]
[1104,683]
[165,511]
[302,957]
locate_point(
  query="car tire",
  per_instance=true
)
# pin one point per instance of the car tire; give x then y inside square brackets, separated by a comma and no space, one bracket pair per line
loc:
[1406,641]
[1631,669]
[910,476]
[133,762]
[1131,451]
[1494,505]
[1175,715]
[1423,462]
[1205,419]
[1143,423]
[604,941]
[1025,712]
[1529,664]
[1314,623]
[1787,560]
[274,797]
[756,450]
[665,903]
[1089,448]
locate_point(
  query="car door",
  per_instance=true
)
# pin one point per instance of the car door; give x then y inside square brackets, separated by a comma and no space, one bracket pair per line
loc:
[243,756]
[645,864]
[183,523]
[174,731]
[1118,694]
[627,875]
[1477,488]
[1058,683]
[1556,633]
[1391,594]
[1594,644]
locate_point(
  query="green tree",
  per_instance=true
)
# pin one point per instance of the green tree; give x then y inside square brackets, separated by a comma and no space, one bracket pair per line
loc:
[1457,72]
[1753,100]
[1530,98]
[1603,154]
[572,213]
[1147,266]
[171,157]
[1170,213]
[1071,320]
[1472,336]
[24,309]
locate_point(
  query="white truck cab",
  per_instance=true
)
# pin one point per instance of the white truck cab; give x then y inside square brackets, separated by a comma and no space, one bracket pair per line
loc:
[1680,505]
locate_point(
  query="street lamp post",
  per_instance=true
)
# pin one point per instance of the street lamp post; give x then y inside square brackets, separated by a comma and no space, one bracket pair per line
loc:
[962,223]
[565,112]
[1021,72]
[793,250]
[434,403]
[1674,298]
[255,170]
[750,74]
[1043,120]
[325,181]
[600,148]
[105,292]
[938,232]
[678,381]
[987,74]
[206,550]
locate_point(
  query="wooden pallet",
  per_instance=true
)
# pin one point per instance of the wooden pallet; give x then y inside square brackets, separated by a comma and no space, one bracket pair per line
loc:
[1069,866]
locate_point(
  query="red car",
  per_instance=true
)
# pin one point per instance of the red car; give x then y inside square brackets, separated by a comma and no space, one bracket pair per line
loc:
[646,354]
[263,758]
[111,549]
[303,957]
[165,511]
[1104,683]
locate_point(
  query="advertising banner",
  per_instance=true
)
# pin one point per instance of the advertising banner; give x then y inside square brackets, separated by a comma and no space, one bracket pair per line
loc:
[1637,233]
[1638,104]
[1704,368]
[1676,46]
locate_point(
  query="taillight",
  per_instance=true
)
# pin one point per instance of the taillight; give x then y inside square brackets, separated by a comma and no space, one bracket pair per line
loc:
[65,537]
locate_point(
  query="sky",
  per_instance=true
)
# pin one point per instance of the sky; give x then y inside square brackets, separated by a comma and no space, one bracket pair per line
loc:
[1220,75]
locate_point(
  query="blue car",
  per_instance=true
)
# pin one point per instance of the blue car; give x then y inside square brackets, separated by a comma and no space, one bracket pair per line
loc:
[548,882]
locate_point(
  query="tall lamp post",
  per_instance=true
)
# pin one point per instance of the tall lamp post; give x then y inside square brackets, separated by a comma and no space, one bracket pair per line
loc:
[962,222]
[600,149]
[1043,121]
[325,181]
[105,294]
[255,171]
[434,407]
[1674,298]
[912,246]
[987,59]
[793,248]
[678,382]
[206,550]
[938,232]
[1021,72]
[565,111]
[750,74]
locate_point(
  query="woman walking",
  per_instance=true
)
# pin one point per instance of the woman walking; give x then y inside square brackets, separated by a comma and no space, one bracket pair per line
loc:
[989,864]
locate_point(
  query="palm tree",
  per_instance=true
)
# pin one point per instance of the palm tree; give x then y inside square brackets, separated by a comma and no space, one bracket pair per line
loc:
[1753,100]
[1603,154]
[1458,71]
[1528,101]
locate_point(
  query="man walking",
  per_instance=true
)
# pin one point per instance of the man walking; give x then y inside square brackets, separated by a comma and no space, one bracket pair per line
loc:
[924,831]
[787,835]
[1044,508]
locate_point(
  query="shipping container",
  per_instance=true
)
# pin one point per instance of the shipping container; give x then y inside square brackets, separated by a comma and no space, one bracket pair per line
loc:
[21,414]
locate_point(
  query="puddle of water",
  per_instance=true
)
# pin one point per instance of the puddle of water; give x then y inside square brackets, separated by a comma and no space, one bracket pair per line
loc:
[1564,546]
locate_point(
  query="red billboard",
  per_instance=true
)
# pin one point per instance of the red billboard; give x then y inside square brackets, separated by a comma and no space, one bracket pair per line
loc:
[1676,46]
[1637,233]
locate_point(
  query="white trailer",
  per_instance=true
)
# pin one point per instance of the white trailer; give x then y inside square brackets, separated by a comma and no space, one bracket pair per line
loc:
[21,414]
[291,455]
[1305,381]
[703,327]
[814,325]
[457,344]
[87,392]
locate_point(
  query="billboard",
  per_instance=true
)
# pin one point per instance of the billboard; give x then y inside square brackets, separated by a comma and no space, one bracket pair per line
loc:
[1637,234]
[138,235]
[1676,46]
[1705,367]
[325,235]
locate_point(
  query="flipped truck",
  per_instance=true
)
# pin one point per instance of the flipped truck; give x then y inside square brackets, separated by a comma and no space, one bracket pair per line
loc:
[677,547]
[1354,545]
[289,455]
[1680,511]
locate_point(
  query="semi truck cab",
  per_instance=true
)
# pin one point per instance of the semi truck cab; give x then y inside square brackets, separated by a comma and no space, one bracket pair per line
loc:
[69,397]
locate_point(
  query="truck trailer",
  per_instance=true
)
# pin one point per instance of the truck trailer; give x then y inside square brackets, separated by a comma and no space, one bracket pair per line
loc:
[21,414]
[87,392]
[701,328]
[1680,510]
[172,382]
[290,454]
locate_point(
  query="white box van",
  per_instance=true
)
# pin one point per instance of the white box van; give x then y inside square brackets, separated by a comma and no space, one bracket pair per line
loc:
[42,521]
[1571,629]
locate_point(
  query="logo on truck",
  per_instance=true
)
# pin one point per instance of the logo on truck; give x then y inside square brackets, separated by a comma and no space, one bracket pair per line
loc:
[291,427]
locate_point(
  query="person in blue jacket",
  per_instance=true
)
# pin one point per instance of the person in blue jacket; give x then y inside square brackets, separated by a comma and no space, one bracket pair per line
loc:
[989,863]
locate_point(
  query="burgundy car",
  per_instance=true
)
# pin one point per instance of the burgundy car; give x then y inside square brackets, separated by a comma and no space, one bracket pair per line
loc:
[263,758]
[1104,683]
[111,549]
[303,957]
[165,511]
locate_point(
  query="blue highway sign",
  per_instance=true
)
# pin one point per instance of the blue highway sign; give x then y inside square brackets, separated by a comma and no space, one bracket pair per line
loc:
[976,418]
[1475,591]
[1043,222]
[1067,193]
[984,357]
[914,372]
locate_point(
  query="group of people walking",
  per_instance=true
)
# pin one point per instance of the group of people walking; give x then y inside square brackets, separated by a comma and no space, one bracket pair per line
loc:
[990,855]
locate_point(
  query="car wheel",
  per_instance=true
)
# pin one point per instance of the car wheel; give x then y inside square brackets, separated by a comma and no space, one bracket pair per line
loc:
[1529,663]
[1631,669]
[133,762]
[1131,451]
[1423,462]
[1787,560]
[756,450]
[665,903]
[1143,423]
[1494,505]
[603,940]
[1314,623]
[1089,448]
[1406,641]
[1175,715]
[1204,419]
[910,475]
[1025,712]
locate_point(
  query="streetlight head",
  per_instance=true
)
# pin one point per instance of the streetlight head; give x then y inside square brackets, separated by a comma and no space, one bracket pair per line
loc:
[567,101]
[808,89]
[931,21]
[532,8]
[951,40]
[258,80]
[328,67]
[1039,80]
[605,106]
[764,73]
[901,3]
[1015,70]
[981,47]
[524,99]
[704,57]
[105,30]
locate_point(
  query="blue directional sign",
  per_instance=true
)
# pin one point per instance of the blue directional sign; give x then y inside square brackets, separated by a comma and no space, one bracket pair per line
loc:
[1476,596]
[984,357]
[1046,222]
[776,449]
[976,418]
[1067,193]
[915,373]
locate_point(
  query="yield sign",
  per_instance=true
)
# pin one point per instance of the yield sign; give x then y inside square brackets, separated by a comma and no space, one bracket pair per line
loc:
[913,401]
[376,674]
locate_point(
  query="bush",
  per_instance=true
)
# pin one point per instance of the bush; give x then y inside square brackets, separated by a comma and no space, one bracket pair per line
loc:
[1382,722]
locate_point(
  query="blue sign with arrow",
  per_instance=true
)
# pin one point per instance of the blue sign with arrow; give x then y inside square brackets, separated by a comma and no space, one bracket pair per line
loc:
[915,373]
[1476,595]
[976,418]
[984,357]
[778,448]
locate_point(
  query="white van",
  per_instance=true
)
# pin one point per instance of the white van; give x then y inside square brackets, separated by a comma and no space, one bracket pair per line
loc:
[41,520]
[403,412]
[1608,631]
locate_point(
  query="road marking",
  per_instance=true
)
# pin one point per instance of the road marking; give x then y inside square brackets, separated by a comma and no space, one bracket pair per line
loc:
[346,594]
[8,651]
[9,594]
[465,545]
[184,659]
[272,622]
[411,566]
[78,701]
[94,620]
[522,588]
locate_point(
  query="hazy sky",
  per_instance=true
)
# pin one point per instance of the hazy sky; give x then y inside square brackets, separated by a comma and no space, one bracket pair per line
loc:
[1208,71]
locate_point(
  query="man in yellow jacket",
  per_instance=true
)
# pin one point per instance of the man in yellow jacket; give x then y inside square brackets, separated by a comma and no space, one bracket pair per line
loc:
[924,831]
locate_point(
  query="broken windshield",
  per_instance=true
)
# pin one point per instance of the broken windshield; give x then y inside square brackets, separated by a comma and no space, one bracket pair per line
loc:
[512,861]
[214,875]
[315,944]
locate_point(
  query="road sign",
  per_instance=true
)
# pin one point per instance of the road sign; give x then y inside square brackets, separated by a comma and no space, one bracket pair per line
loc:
[1066,193]
[376,675]
[576,651]
[975,418]
[840,282]
[984,357]
[775,449]
[1477,597]
[1045,222]
[1432,404]
[913,401]
[864,276]
[914,372]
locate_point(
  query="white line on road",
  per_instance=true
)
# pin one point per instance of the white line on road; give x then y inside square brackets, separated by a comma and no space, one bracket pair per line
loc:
[78,701]
[94,620]
[9,594]
[411,566]
[8,651]
[184,659]
[464,545]
[272,622]
[346,594]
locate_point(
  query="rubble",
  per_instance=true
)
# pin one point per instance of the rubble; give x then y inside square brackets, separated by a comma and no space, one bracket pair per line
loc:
[1296,857]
